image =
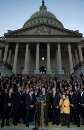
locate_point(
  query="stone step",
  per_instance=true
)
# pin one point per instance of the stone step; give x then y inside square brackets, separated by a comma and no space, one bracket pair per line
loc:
[79,71]
[5,71]
[47,128]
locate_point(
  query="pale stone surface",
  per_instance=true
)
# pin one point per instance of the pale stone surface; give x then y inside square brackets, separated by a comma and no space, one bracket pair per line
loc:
[0,54]
[9,57]
[76,57]
[37,58]
[59,58]
[80,53]
[51,128]
[70,58]
[44,40]
[43,28]
[5,53]
[15,59]
[26,64]
[48,59]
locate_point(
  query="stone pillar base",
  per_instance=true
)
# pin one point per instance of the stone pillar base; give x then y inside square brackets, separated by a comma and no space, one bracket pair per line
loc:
[36,72]
[14,71]
[25,72]
[49,72]
[60,72]
[71,71]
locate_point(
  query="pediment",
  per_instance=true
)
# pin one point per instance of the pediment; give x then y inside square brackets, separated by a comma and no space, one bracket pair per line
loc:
[43,30]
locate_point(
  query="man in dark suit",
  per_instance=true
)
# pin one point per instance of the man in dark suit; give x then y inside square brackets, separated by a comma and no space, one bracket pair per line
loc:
[82,105]
[75,103]
[6,107]
[16,105]
[55,109]
[0,102]
[21,107]
[29,105]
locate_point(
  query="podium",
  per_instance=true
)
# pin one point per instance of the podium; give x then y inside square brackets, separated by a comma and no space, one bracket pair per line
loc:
[42,115]
[39,115]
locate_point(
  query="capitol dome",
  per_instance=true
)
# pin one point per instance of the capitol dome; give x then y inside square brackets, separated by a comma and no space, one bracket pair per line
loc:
[43,17]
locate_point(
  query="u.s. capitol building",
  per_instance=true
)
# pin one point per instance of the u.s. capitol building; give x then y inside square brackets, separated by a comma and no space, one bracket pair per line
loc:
[42,45]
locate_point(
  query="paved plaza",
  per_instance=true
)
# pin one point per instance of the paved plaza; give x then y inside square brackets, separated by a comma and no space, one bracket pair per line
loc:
[22,127]
[62,128]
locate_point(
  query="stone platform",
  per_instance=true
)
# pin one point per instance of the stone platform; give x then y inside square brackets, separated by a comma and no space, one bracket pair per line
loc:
[22,127]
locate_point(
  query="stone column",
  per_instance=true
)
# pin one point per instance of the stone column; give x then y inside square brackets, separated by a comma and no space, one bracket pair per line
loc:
[26,64]
[0,54]
[60,70]
[76,56]
[48,59]
[56,60]
[80,53]
[37,59]
[5,53]
[70,59]
[9,57]
[15,59]
[12,59]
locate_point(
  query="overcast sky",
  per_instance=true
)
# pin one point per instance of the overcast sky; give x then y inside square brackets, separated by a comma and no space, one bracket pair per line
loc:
[14,13]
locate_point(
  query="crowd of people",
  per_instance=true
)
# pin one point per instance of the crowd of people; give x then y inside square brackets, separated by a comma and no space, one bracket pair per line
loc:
[19,100]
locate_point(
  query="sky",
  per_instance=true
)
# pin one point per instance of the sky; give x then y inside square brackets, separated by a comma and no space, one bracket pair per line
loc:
[14,13]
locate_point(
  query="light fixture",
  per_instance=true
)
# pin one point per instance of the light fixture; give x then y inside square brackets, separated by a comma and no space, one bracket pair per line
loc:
[43,58]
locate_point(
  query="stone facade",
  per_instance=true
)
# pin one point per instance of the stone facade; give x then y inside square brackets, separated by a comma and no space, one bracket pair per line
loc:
[42,41]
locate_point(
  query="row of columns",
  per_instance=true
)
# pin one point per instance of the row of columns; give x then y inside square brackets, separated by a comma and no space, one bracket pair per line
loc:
[26,63]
